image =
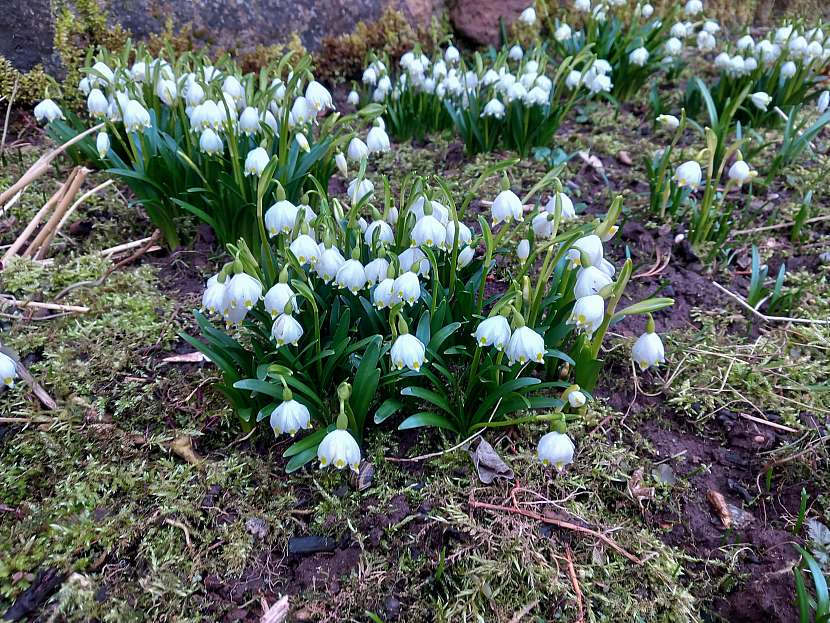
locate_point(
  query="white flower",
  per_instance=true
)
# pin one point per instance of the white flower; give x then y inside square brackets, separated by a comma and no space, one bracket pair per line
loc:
[376,271]
[370,76]
[688,174]
[590,280]
[329,263]
[600,84]
[678,30]
[302,141]
[407,288]
[528,16]
[647,11]
[556,449]
[537,96]
[430,232]
[234,89]
[439,211]
[576,399]
[289,417]
[8,370]
[301,112]
[568,211]
[342,165]
[452,55]
[233,314]
[243,291]
[673,46]
[669,121]
[408,351]
[562,33]
[106,75]
[210,142]
[377,140]
[711,26]
[607,267]
[305,249]
[136,117]
[591,246]
[167,92]
[494,331]
[516,53]
[351,276]
[739,172]
[318,96]
[286,330]
[745,43]
[706,42]
[523,249]
[249,121]
[102,144]
[648,350]
[465,256]
[358,150]
[543,225]
[359,189]
[97,104]
[588,313]
[214,297]
[761,100]
[823,102]
[277,298]
[139,71]
[194,94]
[506,206]
[256,161]
[525,345]
[385,234]
[582,5]
[788,69]
[693,7]
[353,99]
[340,450]
[494,108]
[280,217]
[465,236]
[384,294]
[638,57]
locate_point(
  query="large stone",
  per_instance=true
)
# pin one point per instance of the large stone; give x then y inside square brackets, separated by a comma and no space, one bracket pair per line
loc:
[478,20]
[27,26]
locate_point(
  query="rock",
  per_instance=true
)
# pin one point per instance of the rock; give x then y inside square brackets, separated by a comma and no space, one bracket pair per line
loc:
[26,32]
[478,20]
[305,545]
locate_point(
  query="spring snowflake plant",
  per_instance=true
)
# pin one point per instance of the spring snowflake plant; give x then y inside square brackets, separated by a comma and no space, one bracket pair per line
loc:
[387,298]
[499,100]
[191,137]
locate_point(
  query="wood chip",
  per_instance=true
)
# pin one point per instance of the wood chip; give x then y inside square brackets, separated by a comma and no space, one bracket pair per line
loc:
[194,357]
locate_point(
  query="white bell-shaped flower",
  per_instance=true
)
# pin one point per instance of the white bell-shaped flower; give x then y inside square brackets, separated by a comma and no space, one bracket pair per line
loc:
[493,108]
[194,95]
[761,99]
[506,207]
[136,117]
[590,280]
[244,290]
[385,234]
[525,345]
[353,98]
[588,313]
[234,89]
[528,16]
[233,314]
[377,140]
[277,298]
[357,150]
[305,250]
[523,249]
[516,53]
[688,175]
[256,161]
[329,263]
[48,110]
[415,260]
[286,330]
[280,218]
[430,232]
[407,288]
[590,246]
[351,276]
[8,370]
[214,297]
[102,144]
[359,189]
[289,417]
[576,399]
[249,121]
[465,256]
[318,96]
[648,350]
[376,271]
[493,331]
[740,172]
[555,449]
[408,352]
[339,449]
[452,55]
[210,143]
[542,225]
[638,57]
[167,92]
[97,103]
[465,235]
[669,122]
[384,294]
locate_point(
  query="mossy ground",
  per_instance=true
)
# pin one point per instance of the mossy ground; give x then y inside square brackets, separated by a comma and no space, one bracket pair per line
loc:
[94,490]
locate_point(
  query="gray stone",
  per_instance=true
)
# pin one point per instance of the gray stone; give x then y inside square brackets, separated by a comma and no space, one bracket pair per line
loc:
[478,20]
[26,32]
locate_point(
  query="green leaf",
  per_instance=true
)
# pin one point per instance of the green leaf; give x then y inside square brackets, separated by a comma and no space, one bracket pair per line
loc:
[301,459]
[430,396]
[263,387]
[365,384]
[441,336]
[309,441]
[386,410]
[426,419]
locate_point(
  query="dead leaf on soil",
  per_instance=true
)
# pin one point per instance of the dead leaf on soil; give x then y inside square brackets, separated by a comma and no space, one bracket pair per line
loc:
[489,464]
[637,489]
[625,158]
[730,515]
[194,357]
[592,161]
[183,447]
[275,613]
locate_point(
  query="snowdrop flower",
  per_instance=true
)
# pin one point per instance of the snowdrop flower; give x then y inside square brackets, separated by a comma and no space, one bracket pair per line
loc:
[408,351]
[590,280]
[574,79]
[289,417]
[745,43]
[305,250]
[768,51]
[528,16]
[377,140]
[673,46]
[465,235]
[339,449]
[376,271]
[465,256]
[243,291]
[318,96]
[256,161]
[582,5]
[638,57]
[210,143]
[353,98]
[370,76]
[706,42]
[576,399]
[711,26]
[494,108]
[543,225]
[233,314]
[415,260]
[506,206]
[669,121]
[359,189]
[342,165]
[723,61]
[648,350]
[384,294]
[452,55]
[600,84]
[102,144]
[525,345]
[823,102]
[280,217]
[351,276]
[678,30]
[234,89]
[194,94]
[647,11]
[136,117]
[385,234]
[249,121]
[739,172]
[8,370]
[494,331]
[277,298]
[516,91]
[693,7]
[607,267]
[357,150]
[555,449]
[588,313]
[214,296]
[286,330]
[516,53]
[103,74]
[302,112]
[430,232]
[138,72]
[167,92]
[407,288]
[302,141]
[788,69]
[523,249]
[590,246]
[761,100]
[688,174]
[97,103]
[329,263]
[537,96]
[562,33]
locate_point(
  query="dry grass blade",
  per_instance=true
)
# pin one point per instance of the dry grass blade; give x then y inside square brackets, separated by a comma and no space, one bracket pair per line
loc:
[764,317]
[275,613]
[44,238]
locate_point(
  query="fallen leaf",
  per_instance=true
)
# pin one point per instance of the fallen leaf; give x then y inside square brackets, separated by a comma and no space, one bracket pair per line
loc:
[183,447]
[194,357]
[489,464]
[625,158]
[637,489]
[730,515]
[592,161]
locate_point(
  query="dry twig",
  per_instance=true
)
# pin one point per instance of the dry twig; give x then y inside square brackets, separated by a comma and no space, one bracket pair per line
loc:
[572,574]
[764,317]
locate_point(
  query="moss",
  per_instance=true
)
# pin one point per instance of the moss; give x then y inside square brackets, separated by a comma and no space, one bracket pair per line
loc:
[31,85]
